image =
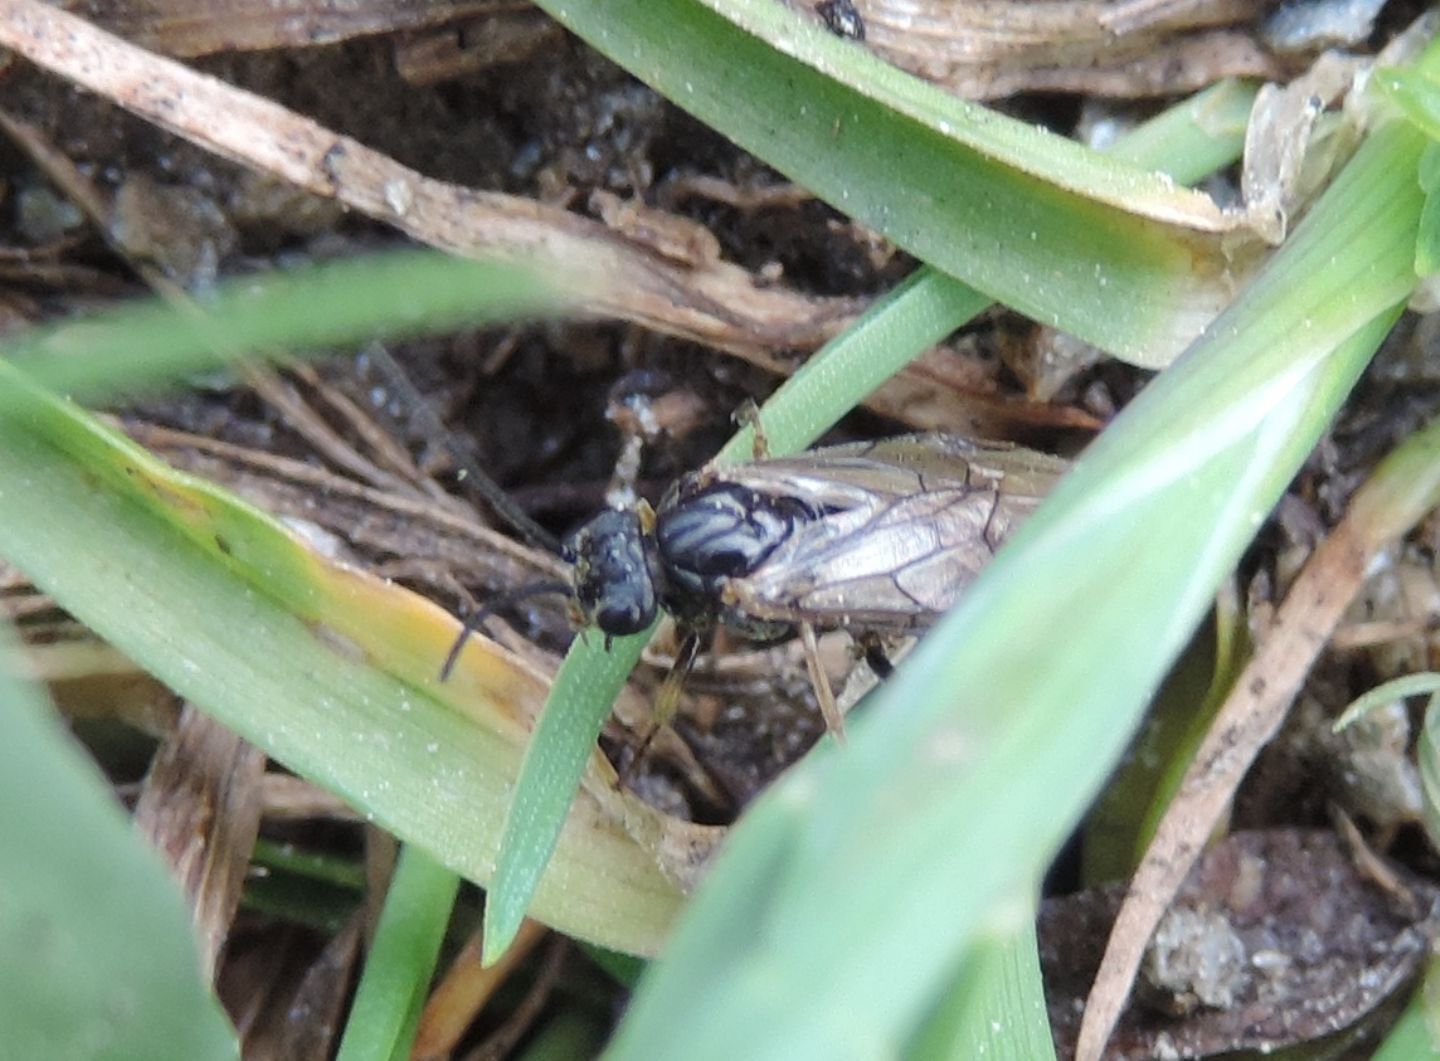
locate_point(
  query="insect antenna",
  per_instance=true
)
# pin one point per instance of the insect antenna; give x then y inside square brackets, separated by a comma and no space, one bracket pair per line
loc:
[479,615]
[668,698]
[472,479]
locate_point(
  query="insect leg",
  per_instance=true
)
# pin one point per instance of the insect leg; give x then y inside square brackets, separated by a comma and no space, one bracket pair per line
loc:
[638,407]
[479,615]
[666,700]
[875,656]
[621,491]
[834,721]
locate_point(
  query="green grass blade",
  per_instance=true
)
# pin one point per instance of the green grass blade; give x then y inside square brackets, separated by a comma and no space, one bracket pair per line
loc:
[1186,142]
[1419,684]
[1194,138]
[589,680]
[1415,93]
[863,876]
[345,873]
[1427,755]
[96,950]
[1020,146]
[1035,221]
[398,969]
[918,313]
[1119,826]
[355,300]
[1415,1036]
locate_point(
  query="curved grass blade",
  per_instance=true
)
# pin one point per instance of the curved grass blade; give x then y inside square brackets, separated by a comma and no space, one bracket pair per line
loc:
[357,299]
[400,964]
[980,196]
[1024,147]
[1422,683]
[863,876]
[96,949]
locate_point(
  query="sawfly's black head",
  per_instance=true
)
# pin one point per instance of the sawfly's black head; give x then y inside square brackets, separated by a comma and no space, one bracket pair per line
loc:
[617,572]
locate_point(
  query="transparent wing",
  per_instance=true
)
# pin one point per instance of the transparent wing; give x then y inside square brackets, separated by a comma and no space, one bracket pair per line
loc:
[912,521]
[866,474]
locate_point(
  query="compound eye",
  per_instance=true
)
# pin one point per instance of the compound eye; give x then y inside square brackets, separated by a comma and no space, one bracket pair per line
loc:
[620,617]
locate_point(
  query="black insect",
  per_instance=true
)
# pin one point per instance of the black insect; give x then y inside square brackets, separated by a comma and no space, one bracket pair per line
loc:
[871,536]
[842,19]
[875,538]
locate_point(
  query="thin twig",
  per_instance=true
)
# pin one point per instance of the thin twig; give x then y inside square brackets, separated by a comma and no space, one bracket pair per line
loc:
[720,304]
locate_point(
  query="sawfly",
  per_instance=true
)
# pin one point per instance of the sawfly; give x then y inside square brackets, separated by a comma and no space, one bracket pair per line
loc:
[875,538]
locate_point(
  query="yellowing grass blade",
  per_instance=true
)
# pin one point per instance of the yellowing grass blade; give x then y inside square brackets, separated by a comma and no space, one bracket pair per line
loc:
[332,672]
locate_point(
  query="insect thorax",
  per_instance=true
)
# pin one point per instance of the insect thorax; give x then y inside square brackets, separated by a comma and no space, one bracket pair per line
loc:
[705,533]
[709,533]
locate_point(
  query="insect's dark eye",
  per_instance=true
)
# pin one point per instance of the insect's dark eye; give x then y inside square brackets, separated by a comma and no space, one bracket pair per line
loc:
[625,616]
[615,572]
[725,531]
